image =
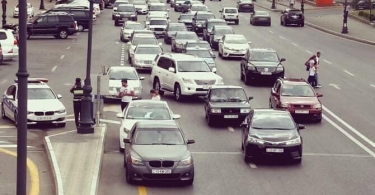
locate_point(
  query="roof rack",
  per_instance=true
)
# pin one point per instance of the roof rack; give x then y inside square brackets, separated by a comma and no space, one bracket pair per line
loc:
[34,80]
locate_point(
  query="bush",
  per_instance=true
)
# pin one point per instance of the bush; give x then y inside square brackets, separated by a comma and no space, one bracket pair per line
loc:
[366,15]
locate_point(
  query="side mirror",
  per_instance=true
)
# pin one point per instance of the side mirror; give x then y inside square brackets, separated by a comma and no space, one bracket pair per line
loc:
[213,56]
[243,125]
[220,11]
[251,97]
[170,69]
[127,140]
[120,115]
[319,95]
[59,96]
[190,141]
[301,126]
[205,98]
[282,60]
[221,41]
[160,44]
[176,116]
[274,93]
[249,42]
[214,70]
[141,78]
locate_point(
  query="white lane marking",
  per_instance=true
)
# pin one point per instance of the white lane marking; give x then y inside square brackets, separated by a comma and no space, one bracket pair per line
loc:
[70,115]
[12,146]
[349,73]
[270,31]
[334,85]
[68,84]
[230,129]
[62,57]
[110,121]
[282,37]
[295,44]
[328,62]
[7,136]
[3,81]
[4,142]
[68,47]
[54,69]
[309,52]
[372,85]
[7,127]
[117,42]
[62,133]
[252,165]
[338,155]
[349,127]
[232,153]
[348,135]
[69,119]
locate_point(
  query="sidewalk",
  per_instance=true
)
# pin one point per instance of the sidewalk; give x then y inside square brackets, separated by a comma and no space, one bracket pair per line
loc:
[34,3]
[322,19]
[76,160]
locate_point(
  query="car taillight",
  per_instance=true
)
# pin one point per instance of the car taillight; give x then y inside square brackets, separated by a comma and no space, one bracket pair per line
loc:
[10,51]
[15,42]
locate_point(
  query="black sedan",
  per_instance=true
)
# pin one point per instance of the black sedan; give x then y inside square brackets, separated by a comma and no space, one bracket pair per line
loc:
[245,6]
[226,103]
[260,17]
[158,151]
[272,133]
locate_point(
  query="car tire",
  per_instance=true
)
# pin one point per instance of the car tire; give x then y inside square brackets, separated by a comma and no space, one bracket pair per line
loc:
[172,49]
[297,161]
[302,24]
[113,18]
[129,59]
[209,120]
[3,115]
[237,22]
[175,9]
[281,22]
[245,157]
[269,103]
[121,150]
[116,23]
[157,86]
[177,93]
[251,22]
[63,34]
[15,119]
[318,120]
[80,28]
[128,176]
[28,34]
[242,78]
[269,24]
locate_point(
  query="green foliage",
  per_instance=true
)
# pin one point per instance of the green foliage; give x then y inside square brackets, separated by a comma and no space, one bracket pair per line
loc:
[365,14]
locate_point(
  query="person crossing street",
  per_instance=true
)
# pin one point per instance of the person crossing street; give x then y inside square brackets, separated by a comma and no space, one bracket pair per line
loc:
[77,91]
[126,94]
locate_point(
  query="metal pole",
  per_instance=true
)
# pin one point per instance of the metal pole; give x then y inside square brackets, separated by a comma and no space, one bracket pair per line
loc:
[98,99]
[345,21]
[41,6]
[273,6]
[86,122]
[303,7]
[4,6]
[22,76]
[370,10]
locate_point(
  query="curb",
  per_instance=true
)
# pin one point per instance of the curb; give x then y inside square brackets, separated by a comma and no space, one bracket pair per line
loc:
[59,187]
[309,3]
[359,19]
[99,160]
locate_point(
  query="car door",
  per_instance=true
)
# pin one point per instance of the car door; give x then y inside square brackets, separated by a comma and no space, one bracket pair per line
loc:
[52,24]
[9,101]
[275,94]
[207,101]
[244,61]
[221,44]
[128,145]
[245,128]
[170,76]
[162,71]
[211,38]
[40,26]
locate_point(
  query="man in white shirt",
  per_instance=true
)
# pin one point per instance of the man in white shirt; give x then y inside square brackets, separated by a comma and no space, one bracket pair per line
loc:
[317,67]
[154,95]
[126,94]
[312,71]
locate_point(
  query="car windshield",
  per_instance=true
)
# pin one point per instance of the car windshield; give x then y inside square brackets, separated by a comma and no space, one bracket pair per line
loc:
[211,24]
[158,22]
[297,91]
[198,8]
[231,11]
[274,121]
[228,95]
[236,41]
[144,41]
[200,53]
[139,3]
[40,93]
[223,31]
[177,28]
[246,1]
[148,50]
[119,3]
[157,8]
[193,66]
[186,17]
[134,26]
[264,56]
[187,36]
[122,74]
[159,136]
[199,44]
[148,113]
[205,16]
[125,9]
[262,13]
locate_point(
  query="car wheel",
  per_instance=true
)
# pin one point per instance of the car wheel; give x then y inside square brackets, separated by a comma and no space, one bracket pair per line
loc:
[113,17]
[129,59]
[63,34]
[209,120]
[251,22]
[270,104]
[237,22]
[247,80]
[116,23]
[157,86]
[15,119]
[28,34]
[128,176]
[297,161]
[80,28]
[319,120]
[245,157]
[241,75]
[285,23]
[220,55]
[3,115]
[269,24]
[281,22]
[302,24]
[177,92]
[242,148]
[172,49]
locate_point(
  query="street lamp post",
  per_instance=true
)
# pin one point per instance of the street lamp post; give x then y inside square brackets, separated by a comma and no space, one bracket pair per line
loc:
[4,6]
[41,6]
[345,21]
[273,6]
[303,6]
[371,4]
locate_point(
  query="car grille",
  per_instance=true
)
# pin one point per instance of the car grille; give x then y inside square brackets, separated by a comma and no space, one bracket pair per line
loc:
[172,176]
[264,69]
[230,110]
[156,163]
[158,29]
[39,113]
[304,106]
[48,113]
[148,61]
[205,82]
[125,15]
[274,144]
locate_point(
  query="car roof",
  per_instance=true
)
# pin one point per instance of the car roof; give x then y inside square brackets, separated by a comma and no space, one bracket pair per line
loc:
[121,68]
[234,36]
[182,56]
[215,20]
[144,35]
[148,46]
[143,30]
[226,87]
[229,8]
[158,18]
[197,49]
[126,5]
[263,49]
[197,41]
[186,14]
[185,32]
[270,111]
[157,4]
[148,102]
[167,124]
[222,26]
[204,12]
[132,22]
[294,81]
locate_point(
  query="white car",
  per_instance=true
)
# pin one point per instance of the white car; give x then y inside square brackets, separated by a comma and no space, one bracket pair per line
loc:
[43,105]
[30,10]
[233,45]
[128,28]
[75,6]
[158,26]
[158,8]
[141,7]
[198,7]
[116,74]
[230,14]
[84,3]
[9,44]
[143,110]
[140,40]
[144,56]
[151,15]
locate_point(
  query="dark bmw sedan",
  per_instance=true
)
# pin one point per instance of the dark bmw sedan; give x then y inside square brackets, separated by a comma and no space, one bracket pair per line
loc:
[245,5]
[158,151]
[260,17]
[273,133]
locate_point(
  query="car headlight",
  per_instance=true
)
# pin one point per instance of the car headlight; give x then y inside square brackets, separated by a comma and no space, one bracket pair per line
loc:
[126,130]
[245,110]
[296,141]
[317,106]
[220,82]
[227,48]
[250,67]
[186,161]
[136,161]
[60,111]
[215,110]
[133,15]
[188,80]
[30,113]
[255,140]
[284,105]
[117,15]
[279,69]
[199,25]
[138,61]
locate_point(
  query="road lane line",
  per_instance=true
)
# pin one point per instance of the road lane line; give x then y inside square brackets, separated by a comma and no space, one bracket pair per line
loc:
[326,61]
[3,81]
[62,133]
[142,190]
[349,127]
[230,129]
[309,52]
[349,136]
[7,127]
[349,73]
[62,57]
[282,37]
[338,155]
[5,142]
[270,31]
[372,85]
[70,115]
[33,173]
[295,44]
[54,69]
[334,85]
[117,42]
[68,47]
[252,165]
[231,153]
[110,121]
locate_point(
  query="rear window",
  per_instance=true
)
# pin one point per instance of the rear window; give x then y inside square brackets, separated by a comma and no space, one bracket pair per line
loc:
[66,18]
[3,36]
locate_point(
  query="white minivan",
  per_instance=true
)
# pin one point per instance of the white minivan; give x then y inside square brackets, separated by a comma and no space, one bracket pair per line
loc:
[9,44]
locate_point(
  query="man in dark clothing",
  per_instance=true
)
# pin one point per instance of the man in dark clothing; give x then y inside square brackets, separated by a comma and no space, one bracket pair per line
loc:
[77,91]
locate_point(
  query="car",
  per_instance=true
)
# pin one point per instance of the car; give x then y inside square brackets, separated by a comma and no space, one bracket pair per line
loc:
[158,151]
[204,53]
[292,16]
[141,32]
[271,133]
[109,3]
[198,7]
[142,110]
[142,39]
[201,44]
[245,6]
[144,56]
[208,24]
[9,44]
[178,5]
[79,14]
[171,30]
[199,19]
[260,17]
[115,6]
[230,14]
[141,7]
[298,97]
[186,19]
[188,3]
[153,1]
[158,8]
[116,74]
[217,34]
[180,38]
[158,26]
[183,75]
[44,105]
[233,45]
[261,64]
[128,28]
[152,15]
[84,4]
[125,12]
[30,10]
[226,103]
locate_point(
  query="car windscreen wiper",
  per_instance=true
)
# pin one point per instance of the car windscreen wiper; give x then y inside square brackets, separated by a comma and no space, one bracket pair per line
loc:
[163,144]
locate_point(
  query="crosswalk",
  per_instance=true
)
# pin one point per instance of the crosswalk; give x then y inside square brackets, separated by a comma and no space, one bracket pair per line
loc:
[6,143]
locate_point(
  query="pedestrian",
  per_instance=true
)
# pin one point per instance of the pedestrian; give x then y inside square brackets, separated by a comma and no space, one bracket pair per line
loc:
[154,95]
[126,94]
[77,91]
[312,71]
[317,69]
[291,3]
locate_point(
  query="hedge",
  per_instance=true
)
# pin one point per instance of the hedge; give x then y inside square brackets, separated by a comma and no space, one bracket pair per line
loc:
[367,15]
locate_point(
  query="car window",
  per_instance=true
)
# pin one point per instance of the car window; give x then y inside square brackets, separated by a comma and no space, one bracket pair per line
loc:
[148,50]
[274,121]
[240,40]
[78,13]
[125,8]
[211,24]
[177,28]
[262,13]
[65,18]
[52,19]
[144,41]
[164,63]
[228,95]
[11,90]
[148,113]
[230,11]
[3,36]
[205,16]
[157,8]
[158,137]
[134,26]
[40,93]
[193,66]
[264,56]
[122,74]
[188,36]
[186,17]
[223,31]
[297,91]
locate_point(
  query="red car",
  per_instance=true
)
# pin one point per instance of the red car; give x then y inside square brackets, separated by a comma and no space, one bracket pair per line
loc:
[298,97]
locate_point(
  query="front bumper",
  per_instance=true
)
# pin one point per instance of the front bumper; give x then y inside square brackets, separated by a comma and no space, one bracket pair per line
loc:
[238,117]
[258,75]
[259,150]
[51,119]
[123,19]
[194,90]
[142,66]
[310,114]
[233,53]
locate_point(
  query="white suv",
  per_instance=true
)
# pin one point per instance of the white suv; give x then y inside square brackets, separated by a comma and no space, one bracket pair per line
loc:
[230,14]
[184,75]
[9,44]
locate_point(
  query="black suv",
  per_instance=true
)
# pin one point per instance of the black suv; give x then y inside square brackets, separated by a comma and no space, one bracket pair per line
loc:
[58,24]
[171,30]
[198,20]
[187,19]
[208,24]
[125,12]
[80,14]
[261,64]
[292,16]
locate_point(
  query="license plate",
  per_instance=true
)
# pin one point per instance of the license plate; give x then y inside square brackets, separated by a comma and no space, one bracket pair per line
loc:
[206,87]
[302,112]
[161,171]
[262,18]
[230,116]
[266,73]
[44,118]
[275,150]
